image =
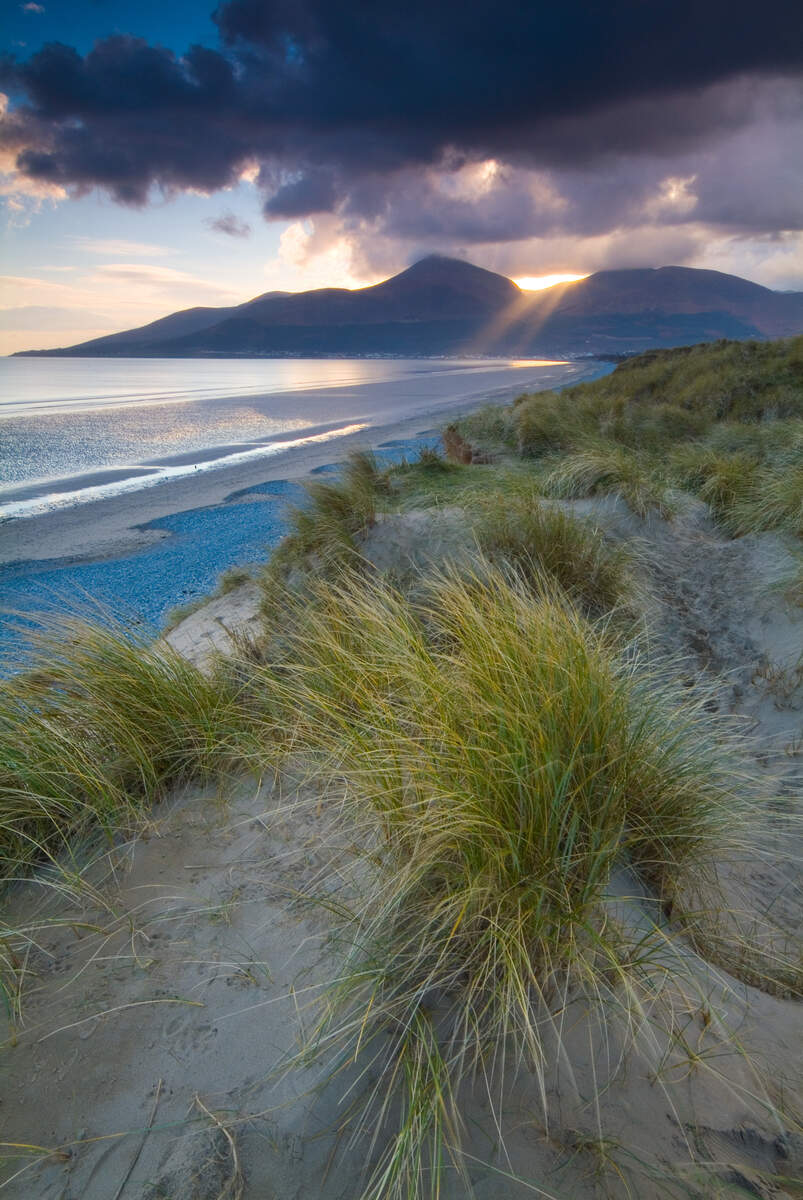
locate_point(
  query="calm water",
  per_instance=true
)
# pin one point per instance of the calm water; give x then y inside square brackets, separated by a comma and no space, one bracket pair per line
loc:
[71,425]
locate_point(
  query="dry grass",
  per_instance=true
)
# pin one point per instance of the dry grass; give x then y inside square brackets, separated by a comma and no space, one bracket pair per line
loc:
[336,511]
[323,531]
[722,420]
[500,760]
[99,726]
[539,541]
[609,470]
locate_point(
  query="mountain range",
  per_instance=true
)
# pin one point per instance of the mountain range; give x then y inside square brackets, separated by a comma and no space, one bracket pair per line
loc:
[445,306]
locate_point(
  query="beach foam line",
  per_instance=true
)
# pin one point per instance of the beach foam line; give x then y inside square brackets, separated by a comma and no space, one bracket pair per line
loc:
[139,477]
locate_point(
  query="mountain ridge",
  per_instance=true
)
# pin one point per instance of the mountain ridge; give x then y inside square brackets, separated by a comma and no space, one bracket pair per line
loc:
[447,306]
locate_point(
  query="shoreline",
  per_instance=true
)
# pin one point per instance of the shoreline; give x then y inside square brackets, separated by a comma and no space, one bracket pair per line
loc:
[143,552]
[112,526]
[109,526]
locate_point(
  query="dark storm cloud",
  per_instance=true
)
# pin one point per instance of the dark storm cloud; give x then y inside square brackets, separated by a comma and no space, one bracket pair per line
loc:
[313,192]
[335,98]
[230,224]
[126,116]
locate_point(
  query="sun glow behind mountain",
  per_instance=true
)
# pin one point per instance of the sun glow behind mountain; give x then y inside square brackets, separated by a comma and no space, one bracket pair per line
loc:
[536,283]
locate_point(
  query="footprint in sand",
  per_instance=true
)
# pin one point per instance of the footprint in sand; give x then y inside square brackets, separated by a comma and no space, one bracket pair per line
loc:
[185,1036]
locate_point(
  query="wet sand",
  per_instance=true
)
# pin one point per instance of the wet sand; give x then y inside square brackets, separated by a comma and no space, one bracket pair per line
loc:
[110,526]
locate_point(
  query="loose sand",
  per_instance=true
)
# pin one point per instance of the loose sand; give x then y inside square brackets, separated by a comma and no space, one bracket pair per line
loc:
[157,1022]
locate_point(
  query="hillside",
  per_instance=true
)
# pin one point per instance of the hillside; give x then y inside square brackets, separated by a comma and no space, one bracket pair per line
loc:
[446,306]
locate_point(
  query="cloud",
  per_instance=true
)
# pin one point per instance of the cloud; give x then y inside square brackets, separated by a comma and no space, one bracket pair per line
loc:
[118,247]
[323,92]
[124,118]
[164,281]
[774,259]
[311,192]
[35,291]
[311,255]
[230,224]
[126,294]
[449,125]
[50,319]
[32,8]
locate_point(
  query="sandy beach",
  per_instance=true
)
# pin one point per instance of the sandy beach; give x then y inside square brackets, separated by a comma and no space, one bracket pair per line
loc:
[153,1058]
[156,542]
[112,525]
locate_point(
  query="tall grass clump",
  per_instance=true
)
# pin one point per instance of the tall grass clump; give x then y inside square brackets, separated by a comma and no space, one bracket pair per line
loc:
[540,541]
[323,530]
[415,485]
[99,724]
[720,479]
[609,470]
[747,492]
[501,760]
[429,478]
[545,424]
[493,425]
[723,381]
[737,405]
[336,511]
[774,502]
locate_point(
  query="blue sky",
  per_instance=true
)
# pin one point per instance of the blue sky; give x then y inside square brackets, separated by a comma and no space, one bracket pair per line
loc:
[173,23]
[314,144]
[77,267]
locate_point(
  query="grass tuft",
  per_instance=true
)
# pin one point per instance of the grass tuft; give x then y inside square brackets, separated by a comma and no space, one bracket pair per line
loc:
[336,511]
[501,761]
[539,540]
[726,418]
[774,502]
[98,725]
[323,531]
[605,471]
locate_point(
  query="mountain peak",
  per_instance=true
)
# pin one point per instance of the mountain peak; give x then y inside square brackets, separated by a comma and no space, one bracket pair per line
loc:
[444,266]
[446,306]
[437,280]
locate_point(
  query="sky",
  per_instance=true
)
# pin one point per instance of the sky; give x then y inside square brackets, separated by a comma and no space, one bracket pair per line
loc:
[160,154]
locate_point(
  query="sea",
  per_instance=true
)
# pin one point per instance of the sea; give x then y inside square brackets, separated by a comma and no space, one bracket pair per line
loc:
[73,430]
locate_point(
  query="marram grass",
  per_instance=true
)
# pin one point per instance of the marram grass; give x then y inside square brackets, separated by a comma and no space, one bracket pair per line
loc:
[722,420]
[323,530]
[540,541]
[335,511]
[501,760]
[603,470]
[98,725]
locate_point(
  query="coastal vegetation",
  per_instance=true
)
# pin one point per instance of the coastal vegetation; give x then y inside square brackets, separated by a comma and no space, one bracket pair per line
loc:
[539,801]
[101,724]
[500,759]
[723,421]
